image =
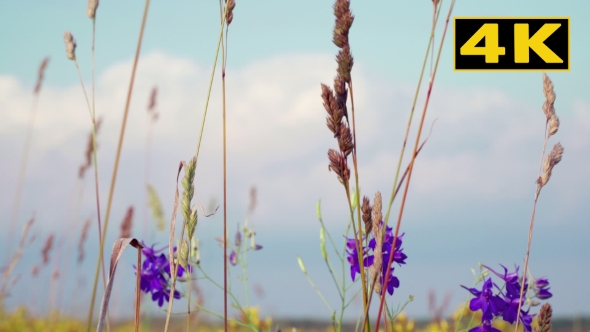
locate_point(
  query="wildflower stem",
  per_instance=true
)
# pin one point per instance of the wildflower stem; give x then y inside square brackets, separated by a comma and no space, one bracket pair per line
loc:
[358,195]
[116,167]
[431,84]
[319,292]
[530,237]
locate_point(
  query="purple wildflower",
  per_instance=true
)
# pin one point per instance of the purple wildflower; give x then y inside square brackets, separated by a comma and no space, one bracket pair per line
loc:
[506,302]
[540,289]
[486,326]
[368,259]
[490,305]
[155,274]
[233,258]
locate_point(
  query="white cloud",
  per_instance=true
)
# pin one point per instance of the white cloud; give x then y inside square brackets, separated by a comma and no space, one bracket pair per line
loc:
[485,145]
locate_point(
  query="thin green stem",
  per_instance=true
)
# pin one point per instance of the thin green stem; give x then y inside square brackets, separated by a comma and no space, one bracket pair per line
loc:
[416,144]
[116,167]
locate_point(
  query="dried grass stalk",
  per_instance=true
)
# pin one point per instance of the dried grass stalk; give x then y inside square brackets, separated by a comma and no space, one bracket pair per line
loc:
[83,237]
[15,259]
[127,223]
[377,217]
[41,75]
[47,248]
[89,151]
[118,248]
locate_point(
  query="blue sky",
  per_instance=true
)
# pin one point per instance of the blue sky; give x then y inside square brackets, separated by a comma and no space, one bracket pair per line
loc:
[471,196]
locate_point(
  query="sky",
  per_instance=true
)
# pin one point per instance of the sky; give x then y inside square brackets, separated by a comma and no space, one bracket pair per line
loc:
[471,194]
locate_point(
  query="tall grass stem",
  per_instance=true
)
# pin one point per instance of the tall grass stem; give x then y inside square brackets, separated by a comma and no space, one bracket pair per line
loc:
[116,167]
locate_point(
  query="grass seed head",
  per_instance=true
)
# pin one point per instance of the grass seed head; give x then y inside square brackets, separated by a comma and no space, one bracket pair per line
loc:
[544,319]
[377,217]
[345,62]
[366,214]
[341,94]
[92,6]
[70,45]
[41,74]
[339,165]
[552,159]
[549,93]
[127,224]
[83,237]
[553,125]
[47,248]
[231,4]
[343,22]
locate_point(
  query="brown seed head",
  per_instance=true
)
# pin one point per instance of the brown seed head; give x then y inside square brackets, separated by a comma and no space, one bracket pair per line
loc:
[341,94]
[70,45]
[366,210]
[553,158]
[35,271]
[92,6]
[83,237]
[47,249]
[334,118]
[41,74]
[230,11]
[553,125]
[89,151]
[345,140]
[343,22]
[339,165]
[345,62]
[544,318]
[127,223]
[549,97]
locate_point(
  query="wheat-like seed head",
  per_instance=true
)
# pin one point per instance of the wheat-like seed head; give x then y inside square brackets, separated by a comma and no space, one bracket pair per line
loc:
[231,4]
[345,62]
[549,93]
[553,125]
[344,19]
[92,6]
[544,319]
[366,215]
[377,217]
[127,224]
[552,159]
[41,75]
[339,165]
[70,45]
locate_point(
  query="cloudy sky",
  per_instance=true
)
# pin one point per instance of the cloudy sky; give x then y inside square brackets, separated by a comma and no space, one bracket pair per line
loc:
[472,190]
